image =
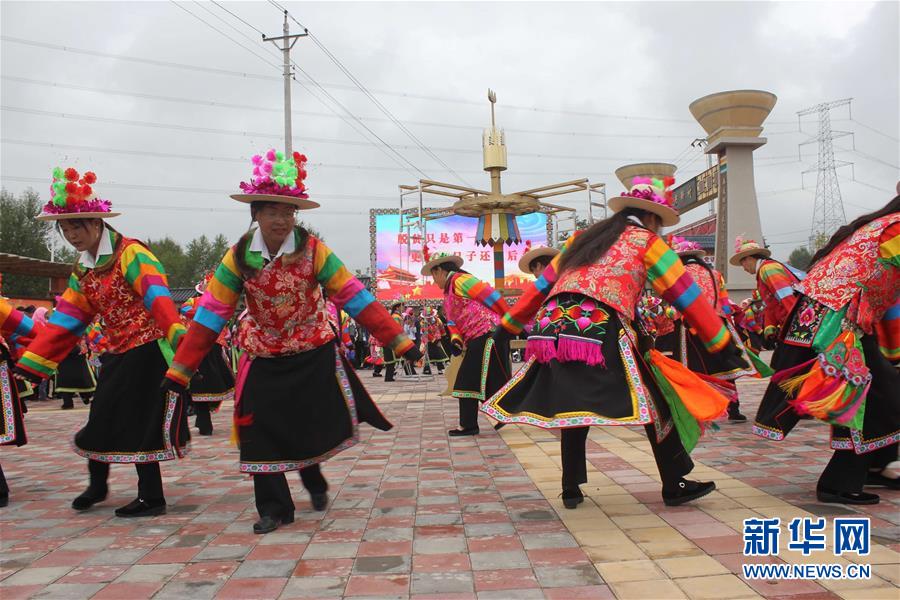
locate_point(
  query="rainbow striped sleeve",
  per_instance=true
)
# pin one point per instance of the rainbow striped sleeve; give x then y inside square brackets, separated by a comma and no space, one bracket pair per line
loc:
[889,248]
[780,282]
[212,312]
[668,277]
[349,294]
[15,326]
[147,277]
[68,322]
[724,300]
[469,286]
[189,307]
[455,336]
[888,332]
[535,293]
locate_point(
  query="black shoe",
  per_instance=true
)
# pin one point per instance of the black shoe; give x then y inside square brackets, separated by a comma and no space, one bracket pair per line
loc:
[462,432]
[319,501]
[572,498]
[737,418]
[498,426]
[876,479]
[88,499]
[687,491]
[205,431]
[86,401]
[142,508]
[268,524]
[389,379]
[377,375]
[4,500]
[67,406]
[836,497]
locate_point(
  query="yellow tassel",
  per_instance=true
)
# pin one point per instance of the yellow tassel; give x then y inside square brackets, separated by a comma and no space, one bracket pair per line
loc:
[793,384]
[821,408]
[235,441]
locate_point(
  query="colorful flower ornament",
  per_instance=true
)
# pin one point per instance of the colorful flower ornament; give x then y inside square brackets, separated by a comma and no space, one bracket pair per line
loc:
[685,247]
[746,247]
[277,178]
[433,260]
[72,196]
[652,195]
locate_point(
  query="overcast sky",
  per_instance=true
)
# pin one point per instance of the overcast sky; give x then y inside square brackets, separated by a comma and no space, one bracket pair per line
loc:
[582,88]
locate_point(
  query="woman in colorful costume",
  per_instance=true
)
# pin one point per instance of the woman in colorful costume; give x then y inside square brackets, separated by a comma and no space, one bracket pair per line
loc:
[584,367]
[775,283]
[213,382]
[117,278]
[432,334]
[689,349]
[473,310]
[298,401]
[390,359]
[16,331]
[75,376]
[837,356]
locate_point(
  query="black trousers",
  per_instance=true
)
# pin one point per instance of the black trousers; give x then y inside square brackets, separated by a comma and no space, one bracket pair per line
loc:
[203,422]
[273,496]
[468,413]
[672,459]
[4,488]
[847,470]
[391,370]
[149,479]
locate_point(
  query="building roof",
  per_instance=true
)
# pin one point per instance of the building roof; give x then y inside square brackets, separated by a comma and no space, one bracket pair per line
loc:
[13,264]
[181,295]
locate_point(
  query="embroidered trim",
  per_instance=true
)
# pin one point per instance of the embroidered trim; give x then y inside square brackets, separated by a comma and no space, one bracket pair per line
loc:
[6,395]
[281,467]
[223,397]
[864,446]
[768,432]
[485,363]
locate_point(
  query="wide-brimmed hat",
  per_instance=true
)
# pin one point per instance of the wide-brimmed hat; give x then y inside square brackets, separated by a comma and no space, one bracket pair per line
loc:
[433,260]
[686,248]
[534,253]
[72,197]
[744,248]
[652,195]
[277,178]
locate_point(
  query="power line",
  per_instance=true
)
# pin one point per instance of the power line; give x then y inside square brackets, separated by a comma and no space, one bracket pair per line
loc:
[872,129]
[238,18]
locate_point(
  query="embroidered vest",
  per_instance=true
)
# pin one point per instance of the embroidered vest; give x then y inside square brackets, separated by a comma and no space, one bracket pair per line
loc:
[286,309]
[852,275]
[472,319]
[126,323]
[617,278]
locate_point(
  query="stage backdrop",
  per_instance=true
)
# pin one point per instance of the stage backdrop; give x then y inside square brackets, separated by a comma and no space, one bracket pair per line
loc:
[397,267]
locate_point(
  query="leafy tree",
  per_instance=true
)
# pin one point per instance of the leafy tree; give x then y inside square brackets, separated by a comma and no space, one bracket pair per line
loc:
[172,257]
[580,223]
[22,234]
[800,258]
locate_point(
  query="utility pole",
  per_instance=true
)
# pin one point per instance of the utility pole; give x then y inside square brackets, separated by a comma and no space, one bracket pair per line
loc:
[828,210]
[288,42]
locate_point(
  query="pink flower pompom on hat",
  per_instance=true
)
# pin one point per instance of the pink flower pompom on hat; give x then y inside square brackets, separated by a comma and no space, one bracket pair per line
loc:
[746,247]
[685,247]
[652,195]
[277,178]
[72,197]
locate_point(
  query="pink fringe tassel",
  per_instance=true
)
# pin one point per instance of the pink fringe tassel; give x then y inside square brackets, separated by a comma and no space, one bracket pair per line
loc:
[580,350]
[788,373]
[857,404]
[542,349]
[799,404]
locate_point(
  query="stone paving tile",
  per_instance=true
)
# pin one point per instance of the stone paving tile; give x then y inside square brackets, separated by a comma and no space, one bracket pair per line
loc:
[415,514]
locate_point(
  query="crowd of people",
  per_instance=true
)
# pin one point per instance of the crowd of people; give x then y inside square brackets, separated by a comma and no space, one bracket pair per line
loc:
[623,327]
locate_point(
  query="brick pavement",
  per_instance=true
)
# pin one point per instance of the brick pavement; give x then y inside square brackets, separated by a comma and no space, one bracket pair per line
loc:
[417,515]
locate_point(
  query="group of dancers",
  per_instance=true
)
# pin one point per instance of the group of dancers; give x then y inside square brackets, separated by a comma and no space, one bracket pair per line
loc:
[598,314]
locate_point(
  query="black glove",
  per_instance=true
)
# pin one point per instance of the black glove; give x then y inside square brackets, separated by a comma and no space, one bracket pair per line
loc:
[456,347]
[169,385]
[413,355]
[20,373]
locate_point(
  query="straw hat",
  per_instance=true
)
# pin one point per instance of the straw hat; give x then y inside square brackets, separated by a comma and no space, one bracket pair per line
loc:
[652,195]
[277,179]
[72,197]
[685,248]
[744,248]
[440,258]
[534,253]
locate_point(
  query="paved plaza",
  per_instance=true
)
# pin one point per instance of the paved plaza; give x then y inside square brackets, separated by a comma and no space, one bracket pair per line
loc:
[415,514]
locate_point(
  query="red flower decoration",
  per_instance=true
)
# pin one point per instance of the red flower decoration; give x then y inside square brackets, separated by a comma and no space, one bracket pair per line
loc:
[90,177]
[71,174]
[71,187]
[86,190]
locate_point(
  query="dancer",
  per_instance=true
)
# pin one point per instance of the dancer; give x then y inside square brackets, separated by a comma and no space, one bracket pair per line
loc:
[775,283]
[535,260]
[432,333]
[689,349]
[16,331]
[473,311]
[214,381]
[837,357]
[298,400]
[118,278]
[390,358]
[75,376]
[583,366]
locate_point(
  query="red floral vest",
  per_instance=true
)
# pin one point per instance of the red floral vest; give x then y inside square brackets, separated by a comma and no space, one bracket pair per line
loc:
[286,309]
[617,278]
[708,283]
[852,275]
[126,323]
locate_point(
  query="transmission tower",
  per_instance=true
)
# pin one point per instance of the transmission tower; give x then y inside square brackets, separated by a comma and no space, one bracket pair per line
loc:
[828,210]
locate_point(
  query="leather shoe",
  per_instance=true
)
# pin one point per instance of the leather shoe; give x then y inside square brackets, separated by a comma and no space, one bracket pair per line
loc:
[499,425]
[142,508]
[838,497]
[462,432]
[687,491]
[319,501]
[572,498]
[736,418]
[268,524]
[88,499]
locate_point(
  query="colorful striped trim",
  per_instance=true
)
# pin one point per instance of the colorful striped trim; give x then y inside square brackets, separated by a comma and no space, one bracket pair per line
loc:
[6,406]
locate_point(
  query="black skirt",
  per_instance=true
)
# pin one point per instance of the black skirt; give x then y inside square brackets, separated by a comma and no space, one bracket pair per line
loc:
[484,369]
[214,381]
[12,425]
[616,390]
[74,374]
[131,419]
[691,352]
[666,343]
[436,353]
[299,410]
[881,421]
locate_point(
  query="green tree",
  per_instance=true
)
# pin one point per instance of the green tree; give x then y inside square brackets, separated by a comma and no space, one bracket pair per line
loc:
[172,257]
[580,223]
[800,258]
[22,234]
